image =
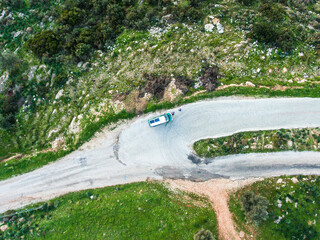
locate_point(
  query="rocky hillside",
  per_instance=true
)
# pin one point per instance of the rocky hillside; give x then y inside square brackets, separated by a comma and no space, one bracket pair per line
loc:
[68,67]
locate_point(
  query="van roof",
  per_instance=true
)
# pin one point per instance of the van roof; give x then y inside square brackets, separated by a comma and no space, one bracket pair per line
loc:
[157,121]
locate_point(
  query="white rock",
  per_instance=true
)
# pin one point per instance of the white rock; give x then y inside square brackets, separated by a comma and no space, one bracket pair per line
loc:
[302,81]
[209,27]
[250,84]
[16,34]
[84,66]
[268,146]
[79,65]
[301,54]
[74,126]
[59,94]
[294,180]
[280,180]
[3,13]
[4,228]
[53,131]
[58,143]
[31,72]
[220,28]
[3,80]
[284,70]
[279,203]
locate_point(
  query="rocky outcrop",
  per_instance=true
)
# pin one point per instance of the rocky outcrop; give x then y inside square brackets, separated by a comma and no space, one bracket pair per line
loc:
[157,85]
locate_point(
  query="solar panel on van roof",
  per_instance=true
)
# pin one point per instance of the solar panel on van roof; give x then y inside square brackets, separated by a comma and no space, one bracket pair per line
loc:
[157,120]
[152,121]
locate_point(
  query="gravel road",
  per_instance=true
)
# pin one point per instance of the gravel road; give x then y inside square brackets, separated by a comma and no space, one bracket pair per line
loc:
[133,151]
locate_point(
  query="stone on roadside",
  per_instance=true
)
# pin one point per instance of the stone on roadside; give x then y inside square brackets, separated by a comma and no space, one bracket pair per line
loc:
[250,84]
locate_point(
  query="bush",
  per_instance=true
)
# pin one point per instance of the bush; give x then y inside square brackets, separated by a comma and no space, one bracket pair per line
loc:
[8,109]
[264,32]
[43,3]
[306,2]
[82,50]
[255,207]
[246,2]
[45,43]
[272,11]
[203,235]
[15,4]
[71,16]
[9,61]
[268,33]
[187,11]
[286,39]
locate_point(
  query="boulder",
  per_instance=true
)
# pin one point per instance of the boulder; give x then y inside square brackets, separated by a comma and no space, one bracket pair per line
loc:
[284,70]
[59,94]
[29,30]
[209,27]
[4,228]
[250,84]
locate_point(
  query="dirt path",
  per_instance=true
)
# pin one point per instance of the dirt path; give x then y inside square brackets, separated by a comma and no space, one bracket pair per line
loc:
[217,190]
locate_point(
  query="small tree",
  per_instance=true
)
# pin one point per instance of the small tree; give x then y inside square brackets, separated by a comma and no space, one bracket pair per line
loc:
[9,61]
[255,207]
[203,235]
[45,43]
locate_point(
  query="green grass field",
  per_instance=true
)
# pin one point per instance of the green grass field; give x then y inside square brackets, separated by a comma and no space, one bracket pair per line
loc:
[307,139]
[294,208]
[145,210]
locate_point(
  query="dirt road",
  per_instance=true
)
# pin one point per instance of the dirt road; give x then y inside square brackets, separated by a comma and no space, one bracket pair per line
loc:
[217,191]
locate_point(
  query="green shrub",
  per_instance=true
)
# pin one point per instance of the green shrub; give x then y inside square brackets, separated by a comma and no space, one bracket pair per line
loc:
[279,140]
[264,32]
[82,50]
[40,3]
[46,42]
[9,61]
[273,11]
[246,2]
[286,39]
[15,4]
[8,109]
[306,2]
[188,10]
[72,16]
[268,33]
[255,207]
[203,235]
[60,79]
